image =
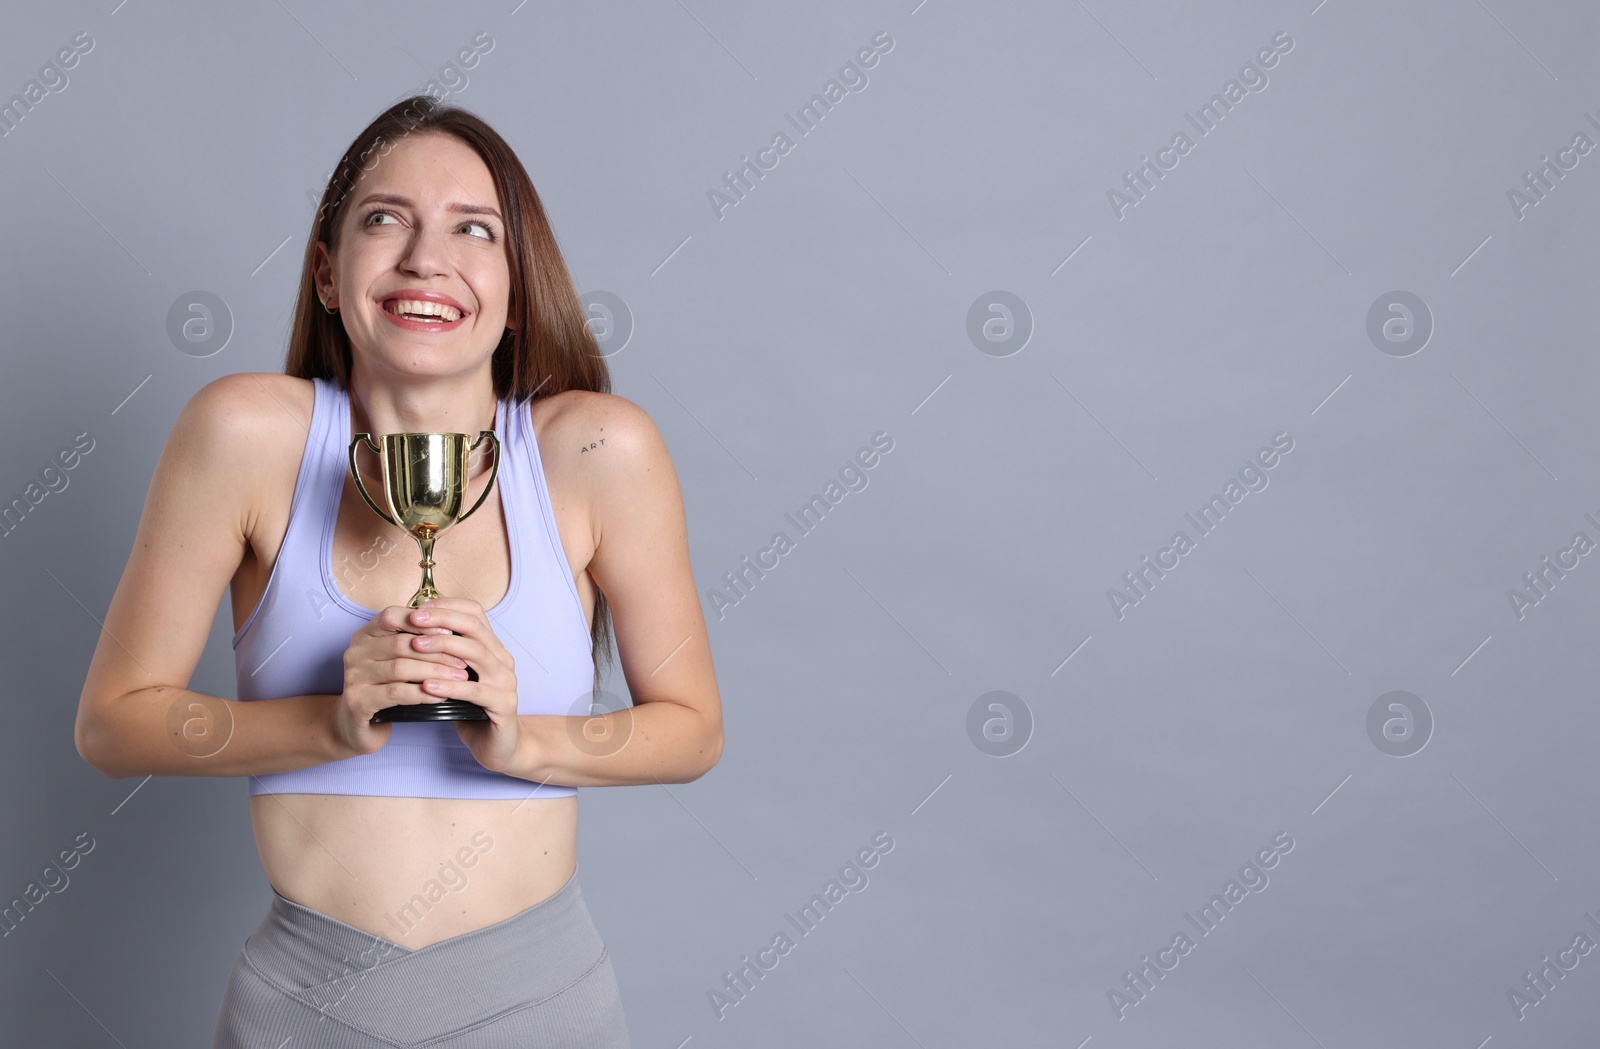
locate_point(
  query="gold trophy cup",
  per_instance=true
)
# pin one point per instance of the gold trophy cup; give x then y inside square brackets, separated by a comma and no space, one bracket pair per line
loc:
[425,485]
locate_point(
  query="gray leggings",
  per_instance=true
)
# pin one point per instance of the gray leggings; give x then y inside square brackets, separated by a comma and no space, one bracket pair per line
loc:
[306,980]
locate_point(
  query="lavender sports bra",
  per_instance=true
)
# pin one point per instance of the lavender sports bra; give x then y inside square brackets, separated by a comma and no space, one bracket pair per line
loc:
[295,639]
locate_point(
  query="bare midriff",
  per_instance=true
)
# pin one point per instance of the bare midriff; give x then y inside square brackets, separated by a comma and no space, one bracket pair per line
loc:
[415,870]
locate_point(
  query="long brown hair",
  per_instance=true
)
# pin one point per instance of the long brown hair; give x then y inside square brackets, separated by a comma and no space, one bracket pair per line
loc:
[551,348]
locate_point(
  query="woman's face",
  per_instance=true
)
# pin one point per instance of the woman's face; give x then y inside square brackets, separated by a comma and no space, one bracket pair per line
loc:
[426,218]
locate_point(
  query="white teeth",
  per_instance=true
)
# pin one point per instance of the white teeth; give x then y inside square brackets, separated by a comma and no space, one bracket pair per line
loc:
[421,308]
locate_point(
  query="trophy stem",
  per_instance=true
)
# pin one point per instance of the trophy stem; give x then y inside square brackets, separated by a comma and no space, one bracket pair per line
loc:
[425,592]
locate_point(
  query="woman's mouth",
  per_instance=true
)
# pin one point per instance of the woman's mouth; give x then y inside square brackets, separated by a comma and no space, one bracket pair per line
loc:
[422,310]
[422,315]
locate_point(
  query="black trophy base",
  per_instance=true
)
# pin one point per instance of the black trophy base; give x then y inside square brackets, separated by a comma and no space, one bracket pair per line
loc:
[444,710]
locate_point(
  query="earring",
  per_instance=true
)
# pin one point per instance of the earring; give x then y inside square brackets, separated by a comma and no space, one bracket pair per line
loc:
[330,309]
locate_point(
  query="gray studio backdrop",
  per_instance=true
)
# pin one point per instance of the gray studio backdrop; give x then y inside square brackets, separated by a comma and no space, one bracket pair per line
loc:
[1207,656]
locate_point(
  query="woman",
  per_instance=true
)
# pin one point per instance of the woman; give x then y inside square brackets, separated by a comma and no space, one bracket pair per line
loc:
[424,874]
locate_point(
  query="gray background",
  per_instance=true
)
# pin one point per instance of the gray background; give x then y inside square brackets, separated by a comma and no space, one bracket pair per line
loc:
[1231,304]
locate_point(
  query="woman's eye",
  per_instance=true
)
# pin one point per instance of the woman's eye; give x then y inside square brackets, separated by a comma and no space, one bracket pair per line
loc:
[487,234]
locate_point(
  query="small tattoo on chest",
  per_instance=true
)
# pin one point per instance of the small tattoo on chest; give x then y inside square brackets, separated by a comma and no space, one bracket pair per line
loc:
[592,446]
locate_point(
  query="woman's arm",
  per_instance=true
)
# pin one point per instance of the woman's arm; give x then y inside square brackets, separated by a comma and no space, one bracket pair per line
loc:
[673,732]
[135,716]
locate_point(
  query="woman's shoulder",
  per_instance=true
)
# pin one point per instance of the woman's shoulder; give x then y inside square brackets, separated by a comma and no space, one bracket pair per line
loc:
[597,445]
[579,418]
[252,396]
[253,407]
[253,426]
[237,441]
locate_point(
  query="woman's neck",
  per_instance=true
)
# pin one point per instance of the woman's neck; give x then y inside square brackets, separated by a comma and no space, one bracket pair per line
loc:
[434,405]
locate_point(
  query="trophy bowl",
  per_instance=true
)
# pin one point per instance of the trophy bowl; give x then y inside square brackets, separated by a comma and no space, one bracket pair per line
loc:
[424,484]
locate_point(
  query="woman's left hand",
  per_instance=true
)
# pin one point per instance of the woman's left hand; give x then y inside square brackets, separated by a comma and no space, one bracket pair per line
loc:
[494,742]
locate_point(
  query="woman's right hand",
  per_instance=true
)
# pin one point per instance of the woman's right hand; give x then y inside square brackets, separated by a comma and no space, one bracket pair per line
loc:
[382,669]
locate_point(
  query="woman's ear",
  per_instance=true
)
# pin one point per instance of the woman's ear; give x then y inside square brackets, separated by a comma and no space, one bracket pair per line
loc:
[322,277]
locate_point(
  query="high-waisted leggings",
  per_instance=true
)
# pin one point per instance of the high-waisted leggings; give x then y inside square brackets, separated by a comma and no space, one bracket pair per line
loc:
[542,977]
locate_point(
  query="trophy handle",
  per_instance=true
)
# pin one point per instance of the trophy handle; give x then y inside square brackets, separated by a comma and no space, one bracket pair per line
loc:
[494,468]
[356,471]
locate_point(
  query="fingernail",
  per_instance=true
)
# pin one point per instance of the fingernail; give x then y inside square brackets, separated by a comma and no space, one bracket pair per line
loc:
[420,616]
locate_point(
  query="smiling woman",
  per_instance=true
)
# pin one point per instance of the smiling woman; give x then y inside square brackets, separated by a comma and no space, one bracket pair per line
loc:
[433,298]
